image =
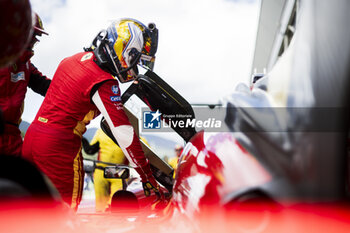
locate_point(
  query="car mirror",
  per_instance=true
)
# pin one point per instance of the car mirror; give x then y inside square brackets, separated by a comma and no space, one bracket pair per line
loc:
[115,172]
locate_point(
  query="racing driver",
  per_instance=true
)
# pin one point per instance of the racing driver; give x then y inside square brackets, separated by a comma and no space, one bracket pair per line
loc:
[84,86]
[14,81]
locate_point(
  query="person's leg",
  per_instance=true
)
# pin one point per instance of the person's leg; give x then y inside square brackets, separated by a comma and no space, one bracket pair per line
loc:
[66,173]
[59,159]
[11,143]
[101,191]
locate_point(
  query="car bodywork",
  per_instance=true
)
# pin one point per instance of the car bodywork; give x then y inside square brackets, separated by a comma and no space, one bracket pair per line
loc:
[288,134]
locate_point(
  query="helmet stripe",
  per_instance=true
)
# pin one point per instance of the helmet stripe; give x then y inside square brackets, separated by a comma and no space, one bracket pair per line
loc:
[130,40]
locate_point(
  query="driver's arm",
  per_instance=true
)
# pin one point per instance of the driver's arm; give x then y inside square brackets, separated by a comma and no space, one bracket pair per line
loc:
[38,82]
[107,99]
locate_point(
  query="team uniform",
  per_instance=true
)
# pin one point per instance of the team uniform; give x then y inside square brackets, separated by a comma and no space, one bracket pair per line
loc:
[111,153]
[14,81]
[80,90]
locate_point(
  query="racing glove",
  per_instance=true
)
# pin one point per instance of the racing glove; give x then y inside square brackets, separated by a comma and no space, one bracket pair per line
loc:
[149,183]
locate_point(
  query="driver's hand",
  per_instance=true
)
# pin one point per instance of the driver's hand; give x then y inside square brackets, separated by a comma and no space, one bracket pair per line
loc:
[149,183]
[152,185]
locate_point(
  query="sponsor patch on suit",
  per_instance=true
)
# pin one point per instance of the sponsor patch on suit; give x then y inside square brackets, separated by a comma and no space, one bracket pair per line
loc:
[86,57]
[115,98]
[115,89]
[17,77]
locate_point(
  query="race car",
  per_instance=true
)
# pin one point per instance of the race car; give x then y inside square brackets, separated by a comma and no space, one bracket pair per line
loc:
[287,144]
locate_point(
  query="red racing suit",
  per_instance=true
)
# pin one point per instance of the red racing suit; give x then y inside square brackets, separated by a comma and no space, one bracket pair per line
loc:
[14,81]
[79,91]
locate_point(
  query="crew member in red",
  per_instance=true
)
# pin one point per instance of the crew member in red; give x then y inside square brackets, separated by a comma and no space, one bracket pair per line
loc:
[14,81]
[84,86]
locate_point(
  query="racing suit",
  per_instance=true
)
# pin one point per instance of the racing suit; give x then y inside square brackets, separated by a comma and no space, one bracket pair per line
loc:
[14,81]
[79,91]
[111,153]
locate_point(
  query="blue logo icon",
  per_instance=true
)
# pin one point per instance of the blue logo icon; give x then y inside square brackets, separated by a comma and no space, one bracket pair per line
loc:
[151,120]
[115,89]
